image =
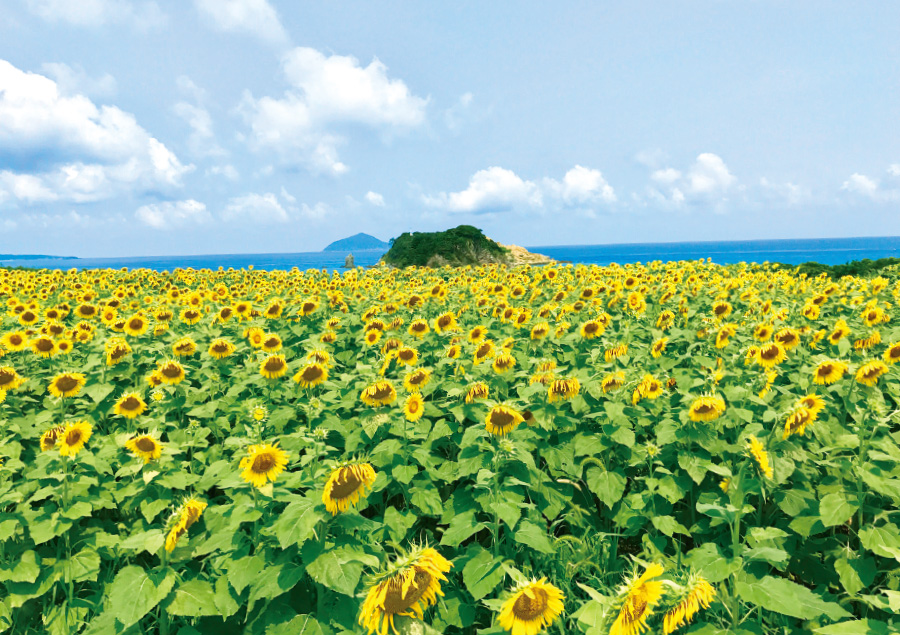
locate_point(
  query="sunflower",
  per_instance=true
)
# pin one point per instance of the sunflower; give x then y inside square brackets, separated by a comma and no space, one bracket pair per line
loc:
[28,318]
[814,403]
[869,372]
[533,606]
[185,347]
[191,316]
[86,311]
[840,331]
[144,446]
[788,338]
[613,381]
[722,310]
[477,334]
[116,350]
[453,351]
[763,332]
[311,375]
[182,519]
[485,350]
[73,437]
[828,372]
[649,388]
[224,314]
[14,341]
[760,456]
[477,391]
[271,343]
[66,384]
[413,407]
[418,328]
[665,320]
[591,329]
[50,437]
[707,408]
[615,352]
[798,421]
[255,336]
[136,325]
[724,335]
[503,362]
[273,367]
[346,484]
[659,347]
[770,355]
[409,586]
[407,356]
[10,379]
[381,393]
[220,348]
[563,389]
[540,330]
[130,405]
[445,322]
[502,419]
[640,594]
[695,594]
[43,346]
[416,380]
[170,372]
[264,462]
[372,337]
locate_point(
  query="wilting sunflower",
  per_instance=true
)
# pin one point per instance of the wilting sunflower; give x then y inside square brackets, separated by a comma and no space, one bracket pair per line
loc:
[381,393]
[182,519]
[311,375]
[840,331]
[540,330]
[591,329]
[828,372]
[638,595]
[50,437]
[130,405]
[73,437]
[503,363]
[798,421]
[346,484]
[411,584]
[869,372]
[66,384]
[220,348]
[477,391]
[116,350]
[485,350]
[501,420]
[760,456]
[706,408]
[613,381]
[417,379]
[185,347]
[273,367]
[170,372]
[533,606]
[413,407]
[144,446]
[264,462]
[770,355]
[563,389]
[615,352]
[696,594]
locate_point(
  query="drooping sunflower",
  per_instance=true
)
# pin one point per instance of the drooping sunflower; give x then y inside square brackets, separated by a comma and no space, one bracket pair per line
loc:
[407,356]
[50,437]
[73,437]
[707,408]
[182,519]
[453,351]
[485,350]
[638,596]
[696,594]
[563,389]
[417,379]
[185,347]
[840,331]
[191,316]
[311,375]
[724,335]
[868,373]
[478,390]
[532,607]
[828,372]
[613,381]
[540,330]
[615,352]
[171,372]
[503,363]
[501,420]
[797,421]
[761,457]
[273,366]
[130,405]
[116,349]
[66,384]
[220,348]
[144,446]
[411,584]
[346,484]
[264,462]
[381,393]
[770,355]
[413,407]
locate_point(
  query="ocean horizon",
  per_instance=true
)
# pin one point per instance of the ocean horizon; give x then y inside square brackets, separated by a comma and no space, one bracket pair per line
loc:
[828,251]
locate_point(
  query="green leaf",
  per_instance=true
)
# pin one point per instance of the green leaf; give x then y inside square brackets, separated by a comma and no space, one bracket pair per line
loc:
[296,524]
[856,574]
[224,600]
[194,598]
[608,486]
[84,565]
[788,598]
[668,525]
[404,473]
[299,625]
[428,500]
[834,509]
[133,593]
[883,541]
[151,509]
[482,574]
[27,569]
[335,572]
[855,627]
[399,523]
[709,561]
[535,537]
[149,541]
[461,527]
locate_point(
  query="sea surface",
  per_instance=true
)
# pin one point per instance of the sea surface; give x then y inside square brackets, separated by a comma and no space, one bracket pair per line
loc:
[829,251]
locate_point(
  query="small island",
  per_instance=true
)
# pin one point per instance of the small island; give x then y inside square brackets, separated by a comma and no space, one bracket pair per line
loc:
[457,247]
[358,242]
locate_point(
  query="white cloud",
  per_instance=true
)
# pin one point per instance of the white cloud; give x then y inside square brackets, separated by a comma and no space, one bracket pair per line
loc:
[326,94]
[894,169]
[876,190]
[256,17]
[787,192]
[708,180]
[171,214]
[263,208]
[709,175]
[73,80]
[493,189]
[202,140]
[666,176]
[374,198]
[316,212]
[96,13]
[287,196]
[581,186]
[228,171]
[455,115]
[74,150]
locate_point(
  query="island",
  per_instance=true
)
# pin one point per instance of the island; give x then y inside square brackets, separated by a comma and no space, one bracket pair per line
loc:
[460,246]
[358,242]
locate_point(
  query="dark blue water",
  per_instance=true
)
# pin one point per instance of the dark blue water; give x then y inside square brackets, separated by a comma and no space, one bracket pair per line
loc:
[829,251]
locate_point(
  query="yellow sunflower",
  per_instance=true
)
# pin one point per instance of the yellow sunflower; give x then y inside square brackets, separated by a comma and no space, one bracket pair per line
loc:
[563,389]
[130,405]
[136,325]
[812,402]
[345,486]
[182,519]
[892,354]
[770,355]
[220,348]
[707,408]
[144,446]
[533,606]
[869,372]
[485,350]
[66,384]
[639,595]
[417,379]
[696,594]
[478,390]
[311,375]
[273,367]
[798,421]
[407,356]
[43,346]
[414,407]
[503,363]
[613,381]
[185,347]
[264,462]
[381,393]
[828,372]
[501,420]
[271,343]
[50,437]
[591,329]
[169,372]
[73,437]
[411,584]
[760,456]
[14,341]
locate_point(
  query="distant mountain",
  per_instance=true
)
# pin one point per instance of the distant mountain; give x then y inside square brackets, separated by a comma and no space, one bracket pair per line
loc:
[357,243]
[34,257]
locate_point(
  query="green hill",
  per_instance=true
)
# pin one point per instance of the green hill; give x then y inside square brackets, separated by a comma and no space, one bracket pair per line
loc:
[358,242]
[460,246]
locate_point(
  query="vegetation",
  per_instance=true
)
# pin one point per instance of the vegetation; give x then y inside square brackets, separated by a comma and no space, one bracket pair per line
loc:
[460,246]
[887,267]
[688,447]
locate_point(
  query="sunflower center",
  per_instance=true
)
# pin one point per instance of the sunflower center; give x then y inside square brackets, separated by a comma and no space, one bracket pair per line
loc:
[419,327]
[502,419]
[309,307]
[417,379]
[394,600]
[719,310]
[6,377]
[145,444]
[704,409]
[345,485]
[483,350]
[28,316]
[591,327]
[769,353]
[872,373]
[73,437]
[171,370]
[406,355]
[120,352]
[530,608]
[131,403]
[220,347]
[825,369]
[226,312]
[894,353]
[135,324]
[272,342]
[191,315]
[44,345]
[274,365]
[66,383]
[263,463]
[312,373]
[16,340]
[381,392]
[444,320]
[637,608]
[413,406]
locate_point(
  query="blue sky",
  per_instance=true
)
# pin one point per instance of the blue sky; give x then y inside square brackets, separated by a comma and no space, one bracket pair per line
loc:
[141,127]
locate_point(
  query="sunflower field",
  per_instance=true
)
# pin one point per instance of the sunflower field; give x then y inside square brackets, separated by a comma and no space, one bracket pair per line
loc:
[667,448]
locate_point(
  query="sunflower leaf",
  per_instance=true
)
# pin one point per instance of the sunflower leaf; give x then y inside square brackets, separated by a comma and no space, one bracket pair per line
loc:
[788,598]
[134,593]
[297,523]
[482,574]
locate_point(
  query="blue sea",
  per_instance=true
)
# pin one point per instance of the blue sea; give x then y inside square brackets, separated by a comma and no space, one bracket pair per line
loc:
[830,251]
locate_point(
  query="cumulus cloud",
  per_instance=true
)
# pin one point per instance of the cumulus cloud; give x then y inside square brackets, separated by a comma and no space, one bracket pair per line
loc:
[581,186]
[73,80]
[96,13]
[172,214]
[456,114]
[708,180]
[64,148]
[261,208]
[884,190]
[326,94]
[255,17]
[374,198]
